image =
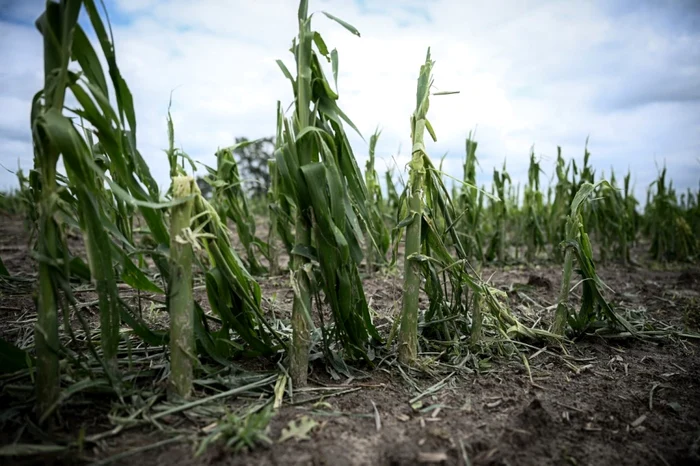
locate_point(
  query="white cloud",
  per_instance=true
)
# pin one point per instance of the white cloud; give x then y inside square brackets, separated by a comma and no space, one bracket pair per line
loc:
[528,73]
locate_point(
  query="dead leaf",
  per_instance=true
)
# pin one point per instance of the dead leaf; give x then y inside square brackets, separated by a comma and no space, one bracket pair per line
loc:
[298,430]
[432,457]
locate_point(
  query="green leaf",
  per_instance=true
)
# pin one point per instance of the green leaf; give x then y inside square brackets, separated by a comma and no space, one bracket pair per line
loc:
[583,192]
[141,329]
[430,129]
[303,10]
[12,359]
[334,62]
[79,269]
[85,55]
[286,73]
[321,45]
[134,277]
[346,25]
[303,250]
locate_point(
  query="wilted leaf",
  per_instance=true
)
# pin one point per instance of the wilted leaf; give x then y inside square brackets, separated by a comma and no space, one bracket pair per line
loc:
[298,430]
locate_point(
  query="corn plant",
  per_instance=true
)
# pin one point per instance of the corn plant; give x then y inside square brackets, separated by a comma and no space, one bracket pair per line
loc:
[130,182]
[428,218]
[499,210]
[11,203]
[691,209]
[233,294]
[633,219]
[103,215]
[627,219]
[231,200]
[615,220]
[470,202]
[57,25]
[408,336]
[577,246]
[671,236]
[392,197]
[559,207]
[55,135]
[280,219]
[377,228]
[438,257]
[279,206]
[320,174]
[533,206]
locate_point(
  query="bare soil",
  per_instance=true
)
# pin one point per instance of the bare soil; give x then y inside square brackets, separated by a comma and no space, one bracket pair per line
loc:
[598,401]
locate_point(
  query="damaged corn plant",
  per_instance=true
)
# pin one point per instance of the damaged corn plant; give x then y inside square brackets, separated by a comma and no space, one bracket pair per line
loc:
[319,173]
[376,251]
[577,246]
[436,259]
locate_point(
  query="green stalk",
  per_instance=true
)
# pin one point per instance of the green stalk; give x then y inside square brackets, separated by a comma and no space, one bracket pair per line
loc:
[301,307]
[408,333]
[56,25]
[562,313]
[477,319]
[301,335]
[377,241]
[273,233]
[574,226]
[46,330]
[370,180]
[182,342]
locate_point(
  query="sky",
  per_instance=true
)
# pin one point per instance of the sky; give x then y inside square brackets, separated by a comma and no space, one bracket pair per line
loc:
[625,74]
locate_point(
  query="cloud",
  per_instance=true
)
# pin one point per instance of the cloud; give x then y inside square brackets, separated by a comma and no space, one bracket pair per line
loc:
[542,73]
[25,11]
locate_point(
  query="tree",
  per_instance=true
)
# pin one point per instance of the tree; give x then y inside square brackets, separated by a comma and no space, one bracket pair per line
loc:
[252,164]
[205,188]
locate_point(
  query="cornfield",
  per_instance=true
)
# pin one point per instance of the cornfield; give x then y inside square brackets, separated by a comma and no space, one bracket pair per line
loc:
[183,329]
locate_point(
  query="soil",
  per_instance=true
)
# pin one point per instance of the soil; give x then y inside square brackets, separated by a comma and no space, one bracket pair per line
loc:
[597,401]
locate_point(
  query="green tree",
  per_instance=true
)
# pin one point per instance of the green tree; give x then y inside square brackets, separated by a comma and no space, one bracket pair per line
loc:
[252,164]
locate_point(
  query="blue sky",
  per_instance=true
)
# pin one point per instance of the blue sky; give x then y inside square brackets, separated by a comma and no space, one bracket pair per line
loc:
[547,73]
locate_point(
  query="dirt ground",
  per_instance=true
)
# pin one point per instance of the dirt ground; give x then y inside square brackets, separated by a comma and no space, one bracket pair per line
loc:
[602,401]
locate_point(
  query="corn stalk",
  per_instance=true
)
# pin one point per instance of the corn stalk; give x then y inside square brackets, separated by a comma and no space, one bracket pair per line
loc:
[320,174]
[671,235]
[182,338]
[534,209]
[279,205]
[375,203]
[57,25]
[231,199]
[470,203]
[408,333]
[499,209]
[578,246]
